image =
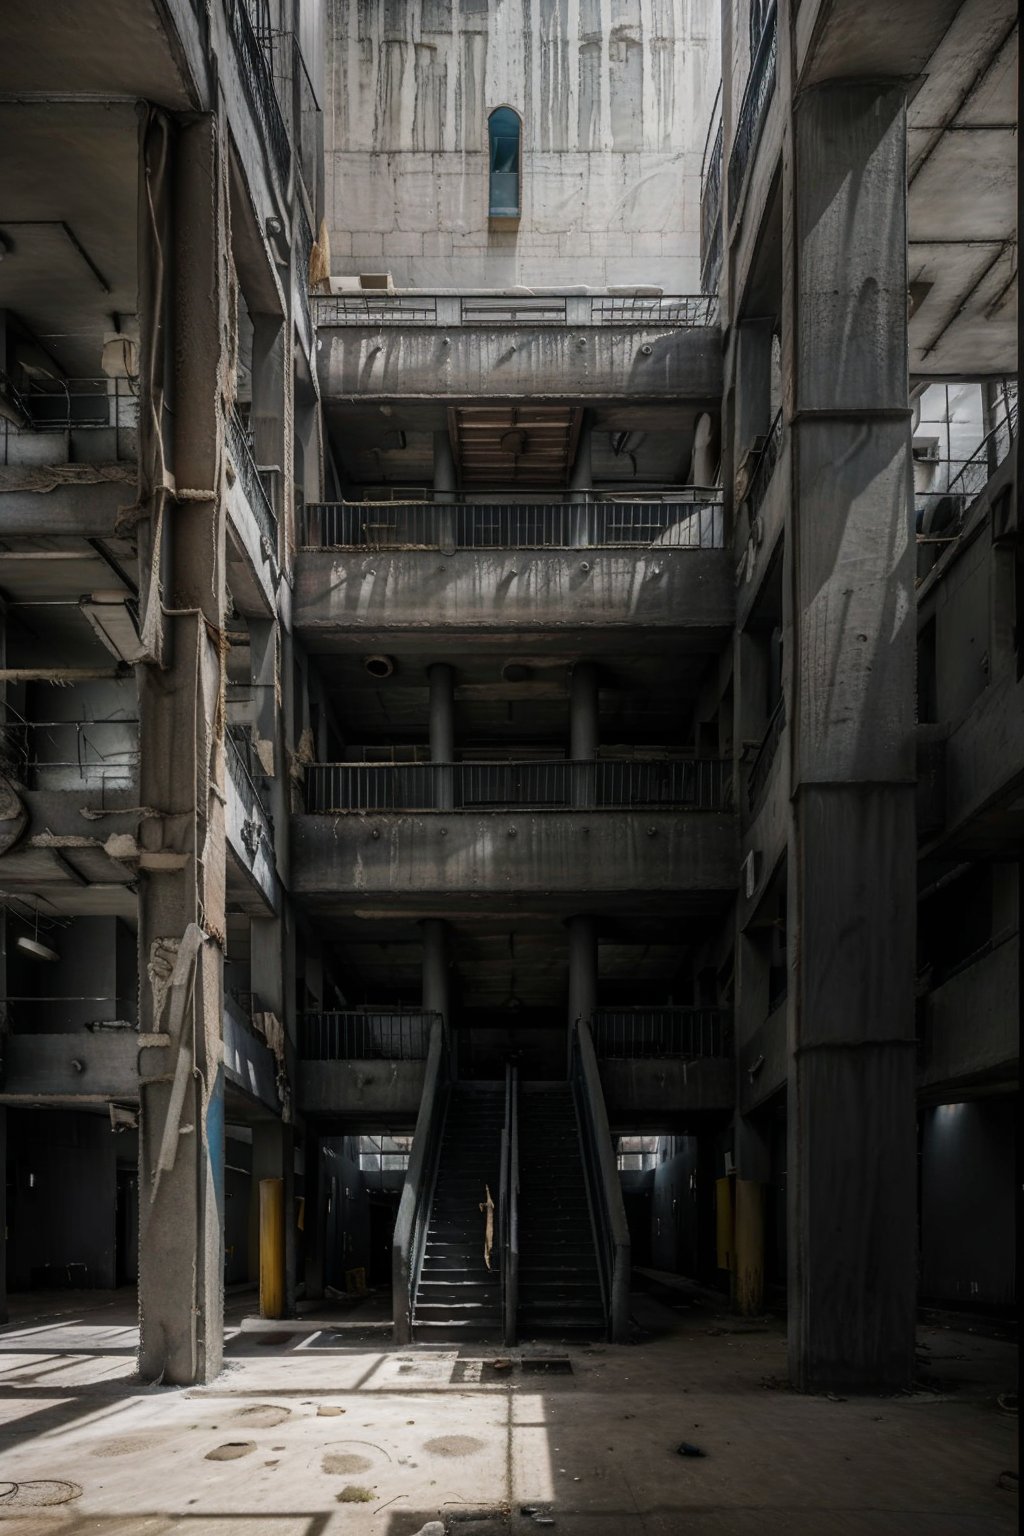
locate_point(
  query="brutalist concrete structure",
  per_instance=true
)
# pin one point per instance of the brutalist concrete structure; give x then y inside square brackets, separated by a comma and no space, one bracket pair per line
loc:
[510,574]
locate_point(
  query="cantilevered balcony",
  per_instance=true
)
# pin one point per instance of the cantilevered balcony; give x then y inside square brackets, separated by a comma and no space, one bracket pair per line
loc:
[651,1058]
[507,346]
[493,567]
[531,835]
[368,1064]
[250,835]
[252,525]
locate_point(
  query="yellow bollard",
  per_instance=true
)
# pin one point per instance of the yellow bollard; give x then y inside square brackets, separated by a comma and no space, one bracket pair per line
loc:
[271,1247]
[749,1247]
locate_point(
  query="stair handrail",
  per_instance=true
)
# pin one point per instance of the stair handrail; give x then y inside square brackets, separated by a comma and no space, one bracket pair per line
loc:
[417,1195]
[603,1182]
[509,1211]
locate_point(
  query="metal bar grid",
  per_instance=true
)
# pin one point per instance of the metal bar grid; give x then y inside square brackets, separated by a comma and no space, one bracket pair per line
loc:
[519,525]
[73,405]
[758,93]
[65,754]
[764,469]
[341,788]
[645,1033]
[946,510]
[711,218]
[369,1036]
[244,786]
[258,84]
[240,448]
[369,308]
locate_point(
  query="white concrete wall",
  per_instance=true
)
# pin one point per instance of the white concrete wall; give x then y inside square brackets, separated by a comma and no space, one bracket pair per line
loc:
[615,97]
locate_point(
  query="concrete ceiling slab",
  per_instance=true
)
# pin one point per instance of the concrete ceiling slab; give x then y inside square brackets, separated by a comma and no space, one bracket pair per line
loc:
[967,188]
[120,48]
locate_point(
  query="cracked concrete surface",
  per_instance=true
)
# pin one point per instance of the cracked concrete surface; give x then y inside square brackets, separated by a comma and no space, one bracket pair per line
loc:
[332,1430]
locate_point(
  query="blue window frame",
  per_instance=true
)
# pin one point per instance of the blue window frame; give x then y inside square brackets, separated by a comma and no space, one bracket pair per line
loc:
[504,131]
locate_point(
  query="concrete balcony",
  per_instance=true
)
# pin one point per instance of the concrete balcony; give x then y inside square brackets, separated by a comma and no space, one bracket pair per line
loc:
[252,552]
[662,1066]
[368,1067]
[423,346]
[385,574]
[972,1022]
[533,836]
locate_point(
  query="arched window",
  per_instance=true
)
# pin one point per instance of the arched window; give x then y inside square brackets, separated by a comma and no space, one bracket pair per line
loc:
[503,133]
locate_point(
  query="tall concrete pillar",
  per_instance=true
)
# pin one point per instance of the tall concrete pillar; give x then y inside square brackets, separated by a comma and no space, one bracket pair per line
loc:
[850,656]
[441,678]
[182,915]
[583,729]
[3,1213]
[445,483]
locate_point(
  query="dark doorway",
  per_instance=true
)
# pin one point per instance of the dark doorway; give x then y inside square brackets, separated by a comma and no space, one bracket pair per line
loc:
[383,1213]
[126,1227]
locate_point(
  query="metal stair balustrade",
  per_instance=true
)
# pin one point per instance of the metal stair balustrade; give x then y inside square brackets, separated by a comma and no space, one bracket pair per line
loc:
[395,1035]
[604,1189]
[693,1034]
[415,1201]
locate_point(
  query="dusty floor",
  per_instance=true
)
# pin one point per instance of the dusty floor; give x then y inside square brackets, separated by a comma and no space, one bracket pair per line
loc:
[329,1430]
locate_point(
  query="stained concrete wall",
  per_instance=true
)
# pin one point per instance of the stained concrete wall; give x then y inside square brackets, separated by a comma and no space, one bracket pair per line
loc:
[968,1243]
[615,98]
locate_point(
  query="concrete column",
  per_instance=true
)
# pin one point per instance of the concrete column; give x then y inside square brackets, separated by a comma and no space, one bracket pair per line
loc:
[3,1213]
[850,658]
[581,483]
[583,729]
[436,990]
[582,968]
[182,916]
[445,482]
[442,727]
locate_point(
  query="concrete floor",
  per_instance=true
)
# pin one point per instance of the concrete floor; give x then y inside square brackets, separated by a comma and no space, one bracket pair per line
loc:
[330,1430]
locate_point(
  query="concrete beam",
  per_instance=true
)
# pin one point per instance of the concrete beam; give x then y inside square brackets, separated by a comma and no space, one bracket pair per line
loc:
[658,1092]
[516,362]
[409,596]
[84,510]
[988,994]
[515,856]
[362,1094]
[71,1068]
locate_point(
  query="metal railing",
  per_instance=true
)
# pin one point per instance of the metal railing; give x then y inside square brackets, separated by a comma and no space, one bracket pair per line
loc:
[369,1036]
[494,309]
[762,764]
[756,97]
[303,253]
[258,85]
[764,469]
[711,218]
[414,1205]
[71,405]
[605,524]
[508,1207]
[257,820]
[70,754]
[20,1015]
[687,1033]
[702,784]
[604,1187]
[251,480]
[942,513]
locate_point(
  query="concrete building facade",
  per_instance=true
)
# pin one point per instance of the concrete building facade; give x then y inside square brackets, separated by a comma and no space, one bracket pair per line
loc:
[510,648]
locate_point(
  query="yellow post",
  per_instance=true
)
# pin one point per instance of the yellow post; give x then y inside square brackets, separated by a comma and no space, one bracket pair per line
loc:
[749,1247]
[724,1224]
[271,1247]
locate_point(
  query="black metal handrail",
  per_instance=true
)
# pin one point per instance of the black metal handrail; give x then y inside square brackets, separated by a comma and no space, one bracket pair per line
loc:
[702,784]
[396,1035]
[711,218]
[598,524]
[258,85]
[304,250]
[764,469]
[758,93]
[240,448]
[945,511]
[604,1188]
[762,764]
[508,1207]
[72,405]
[95,753]
[413,1221]
[258,820]
[640,1033]
[381,308]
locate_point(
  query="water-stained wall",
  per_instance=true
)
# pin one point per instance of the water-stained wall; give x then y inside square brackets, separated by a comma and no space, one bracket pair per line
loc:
[615,98]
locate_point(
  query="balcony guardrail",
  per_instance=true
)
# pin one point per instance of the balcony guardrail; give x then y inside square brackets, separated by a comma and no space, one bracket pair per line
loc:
[70,754]
[517,525]
[304,251]
[19,1015]
[257,820]
[756,97]
[496,309]
[941,515]
[258,85]
[711,218]
[762,764]
[371,1036]
[764,469]
[251,480]
[702,784]
[66,405]
[629,1034]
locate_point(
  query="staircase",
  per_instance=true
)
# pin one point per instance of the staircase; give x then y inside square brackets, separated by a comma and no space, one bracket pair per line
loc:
[457,1296]
[559,1283]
